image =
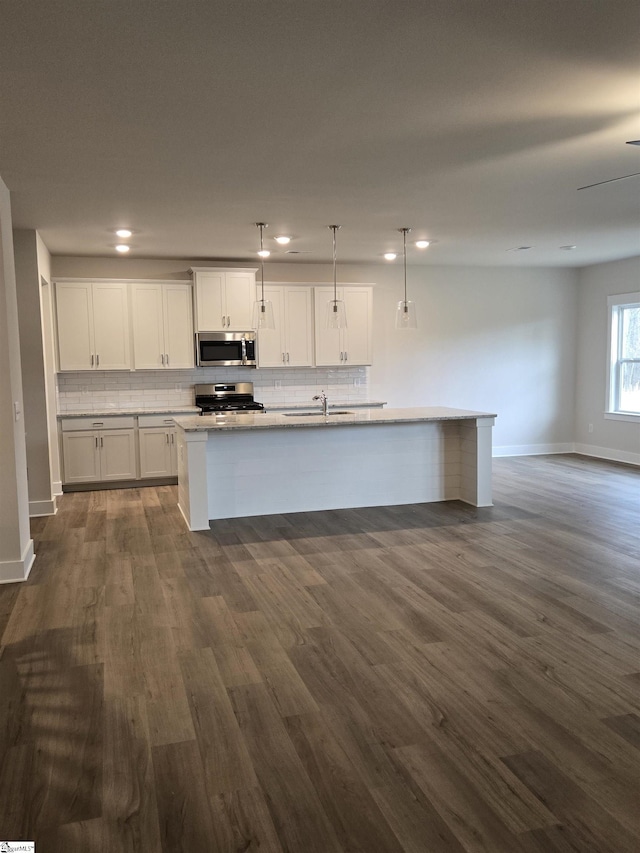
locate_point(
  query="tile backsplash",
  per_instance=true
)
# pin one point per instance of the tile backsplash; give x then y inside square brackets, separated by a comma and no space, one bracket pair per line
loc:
[102,390]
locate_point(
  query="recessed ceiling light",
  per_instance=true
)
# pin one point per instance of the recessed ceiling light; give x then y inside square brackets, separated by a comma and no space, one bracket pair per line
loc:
[264,253]
[282,239]
[124,233]
[122,248]
[390,256]
[422,244]
[568,248]
[519,248]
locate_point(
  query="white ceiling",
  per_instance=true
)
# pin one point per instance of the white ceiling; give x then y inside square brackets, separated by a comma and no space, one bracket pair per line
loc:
[473,121]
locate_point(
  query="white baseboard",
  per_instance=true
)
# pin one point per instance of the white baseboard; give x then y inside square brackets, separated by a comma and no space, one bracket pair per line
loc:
[40,508]
[14,571]
[56,487]
[532,449]
[606,453]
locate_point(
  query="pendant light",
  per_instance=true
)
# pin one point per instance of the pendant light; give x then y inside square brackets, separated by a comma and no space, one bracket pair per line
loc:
[406,310]
[336,312]
[263,309]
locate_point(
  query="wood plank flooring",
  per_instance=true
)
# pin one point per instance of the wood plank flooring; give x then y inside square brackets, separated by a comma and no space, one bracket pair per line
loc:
[429,678]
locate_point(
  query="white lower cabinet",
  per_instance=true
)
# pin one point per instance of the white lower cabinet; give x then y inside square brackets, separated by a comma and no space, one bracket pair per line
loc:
[81,455]
[98,450]
[158,452]
[158,448]
[94,455]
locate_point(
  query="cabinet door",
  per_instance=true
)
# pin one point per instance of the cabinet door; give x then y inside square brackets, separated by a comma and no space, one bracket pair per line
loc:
[111,326]
[329,345]
[271,347]
[210,308]
[179,343]
[155,452]
[298,326]
[117,454]
[173,443]
[240,290]
[148,326]
[357,339]
[81,457]
[74,314]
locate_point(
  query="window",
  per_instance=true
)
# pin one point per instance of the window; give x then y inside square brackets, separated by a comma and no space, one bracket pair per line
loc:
[623,391]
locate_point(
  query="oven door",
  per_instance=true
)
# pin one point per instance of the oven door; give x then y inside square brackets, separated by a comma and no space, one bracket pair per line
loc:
[226,349]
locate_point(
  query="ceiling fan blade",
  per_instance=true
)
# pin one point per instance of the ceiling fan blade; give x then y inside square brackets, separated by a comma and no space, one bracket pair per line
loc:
[610,181]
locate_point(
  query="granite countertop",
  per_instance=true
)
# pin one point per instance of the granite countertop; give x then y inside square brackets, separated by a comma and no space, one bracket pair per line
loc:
[105,413]
[286,407]
[257,420]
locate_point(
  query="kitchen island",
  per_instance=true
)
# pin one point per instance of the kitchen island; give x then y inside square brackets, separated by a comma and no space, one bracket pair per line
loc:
[238,465]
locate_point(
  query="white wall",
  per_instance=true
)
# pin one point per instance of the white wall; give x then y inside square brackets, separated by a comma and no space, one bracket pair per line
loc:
[497,340]
[610,439]
[32,262]
[16,545]
[48,334]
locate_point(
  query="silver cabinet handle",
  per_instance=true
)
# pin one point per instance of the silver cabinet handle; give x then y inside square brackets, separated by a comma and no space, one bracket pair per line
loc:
[283,358]
[166,435]
[91,359]
[173,438]
[161,358]
[228,321]
[101,441]
[287,358]
[224,321]
[166,355]
[97,360]
[98,423]
[96,441]
[168,420]
[345,355]
[341,354]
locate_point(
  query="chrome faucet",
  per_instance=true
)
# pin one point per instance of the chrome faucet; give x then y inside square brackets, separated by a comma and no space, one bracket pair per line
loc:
[323,397]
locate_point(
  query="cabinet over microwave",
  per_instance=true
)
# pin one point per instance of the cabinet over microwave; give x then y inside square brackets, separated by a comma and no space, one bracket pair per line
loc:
[226,349]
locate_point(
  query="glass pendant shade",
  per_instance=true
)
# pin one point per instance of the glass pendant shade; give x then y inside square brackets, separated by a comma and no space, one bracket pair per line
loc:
[336,314]
[263,317]
[406,315]
[263,314]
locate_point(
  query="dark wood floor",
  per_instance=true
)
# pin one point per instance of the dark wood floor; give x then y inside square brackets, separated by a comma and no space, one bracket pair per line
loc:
[431,678]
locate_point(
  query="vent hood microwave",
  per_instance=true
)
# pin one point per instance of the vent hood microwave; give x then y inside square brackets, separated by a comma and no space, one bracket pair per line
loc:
[226,349]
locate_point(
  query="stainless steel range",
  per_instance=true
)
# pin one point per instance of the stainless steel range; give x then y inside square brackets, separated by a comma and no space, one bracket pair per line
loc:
[226,397]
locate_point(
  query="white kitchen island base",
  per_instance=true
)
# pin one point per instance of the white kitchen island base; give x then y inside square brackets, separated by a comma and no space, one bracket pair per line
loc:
[248,465]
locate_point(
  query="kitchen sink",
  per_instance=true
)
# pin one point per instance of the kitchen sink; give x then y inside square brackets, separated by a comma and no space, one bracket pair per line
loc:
[314,414]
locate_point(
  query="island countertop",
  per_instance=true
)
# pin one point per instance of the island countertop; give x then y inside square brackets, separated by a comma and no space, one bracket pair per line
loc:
[360,417]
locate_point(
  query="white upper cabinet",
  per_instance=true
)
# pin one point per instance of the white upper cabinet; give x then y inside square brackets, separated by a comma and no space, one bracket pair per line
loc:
[290,344]
[93,326]
[162,326]
[224,299]
[350,346]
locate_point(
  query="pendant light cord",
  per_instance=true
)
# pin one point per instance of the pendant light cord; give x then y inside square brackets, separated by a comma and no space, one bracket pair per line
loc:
[404,232]
[261,226]
[334,228]
[404,255]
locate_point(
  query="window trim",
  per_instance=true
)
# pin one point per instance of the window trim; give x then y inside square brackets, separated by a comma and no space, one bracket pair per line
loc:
[614,303]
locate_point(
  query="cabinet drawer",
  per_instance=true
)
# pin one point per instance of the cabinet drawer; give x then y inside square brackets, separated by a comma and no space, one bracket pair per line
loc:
[107,422]
[156,420]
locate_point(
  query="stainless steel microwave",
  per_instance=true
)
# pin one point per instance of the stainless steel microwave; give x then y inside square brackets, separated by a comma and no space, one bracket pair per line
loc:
[226,349]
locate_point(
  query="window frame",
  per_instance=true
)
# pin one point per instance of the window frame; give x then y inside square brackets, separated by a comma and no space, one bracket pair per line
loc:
[614,361]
